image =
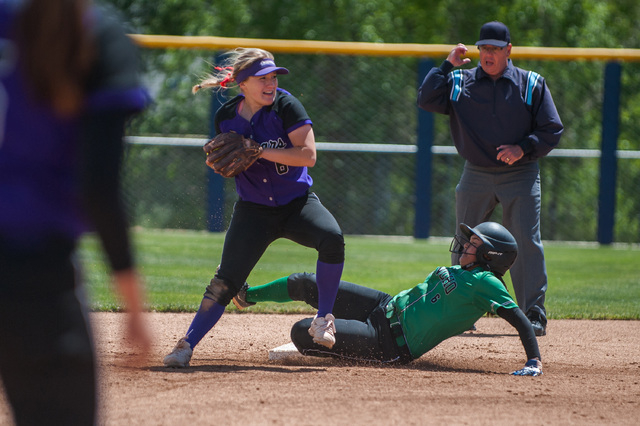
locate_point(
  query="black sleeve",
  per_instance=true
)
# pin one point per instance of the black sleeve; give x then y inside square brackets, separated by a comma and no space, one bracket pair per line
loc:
[113,96]
[519,321]
[226,112]
[290,110]
[101,154]
[433,94]
[116,63]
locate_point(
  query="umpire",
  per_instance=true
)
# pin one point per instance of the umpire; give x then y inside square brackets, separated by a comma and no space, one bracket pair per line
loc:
[502,119]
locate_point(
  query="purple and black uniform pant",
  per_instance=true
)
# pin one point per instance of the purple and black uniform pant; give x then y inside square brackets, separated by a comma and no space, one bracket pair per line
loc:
[254,227]
[46,351]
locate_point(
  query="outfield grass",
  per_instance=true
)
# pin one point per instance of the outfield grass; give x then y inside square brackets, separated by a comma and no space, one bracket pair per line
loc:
[586,281]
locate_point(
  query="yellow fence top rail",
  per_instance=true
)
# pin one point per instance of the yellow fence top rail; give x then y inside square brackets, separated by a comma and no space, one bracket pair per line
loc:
[377,49]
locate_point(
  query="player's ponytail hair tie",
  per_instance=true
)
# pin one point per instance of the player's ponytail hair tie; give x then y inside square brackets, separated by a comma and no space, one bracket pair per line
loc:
[228,78]
[216,81]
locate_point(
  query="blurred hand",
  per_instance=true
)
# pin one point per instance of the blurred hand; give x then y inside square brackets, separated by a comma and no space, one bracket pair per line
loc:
[130,287]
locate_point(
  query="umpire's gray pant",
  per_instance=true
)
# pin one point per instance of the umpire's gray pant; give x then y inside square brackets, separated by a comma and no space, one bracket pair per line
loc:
[517,188]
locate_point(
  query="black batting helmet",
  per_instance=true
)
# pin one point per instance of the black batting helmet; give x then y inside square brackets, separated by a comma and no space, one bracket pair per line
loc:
[499,248]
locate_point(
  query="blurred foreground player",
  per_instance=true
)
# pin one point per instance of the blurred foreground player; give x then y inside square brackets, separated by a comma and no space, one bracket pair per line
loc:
[68,82]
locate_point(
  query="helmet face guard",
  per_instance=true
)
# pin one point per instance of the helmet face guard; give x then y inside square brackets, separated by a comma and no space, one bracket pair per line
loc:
[457,244]
[498,250]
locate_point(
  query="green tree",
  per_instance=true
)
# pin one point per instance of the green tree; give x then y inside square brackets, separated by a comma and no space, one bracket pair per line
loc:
[372,99]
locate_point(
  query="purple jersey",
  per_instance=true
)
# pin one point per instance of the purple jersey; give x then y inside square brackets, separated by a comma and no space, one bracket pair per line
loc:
[266,182]
[38,150]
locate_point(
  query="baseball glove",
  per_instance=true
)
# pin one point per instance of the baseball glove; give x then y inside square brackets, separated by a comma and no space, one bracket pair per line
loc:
[230,154]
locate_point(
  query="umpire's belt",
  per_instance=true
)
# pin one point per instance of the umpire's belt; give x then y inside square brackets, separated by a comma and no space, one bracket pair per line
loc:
[398,334]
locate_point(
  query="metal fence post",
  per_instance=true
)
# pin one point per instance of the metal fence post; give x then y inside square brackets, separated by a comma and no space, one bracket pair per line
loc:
[424,162]
[608,162]
[215,185]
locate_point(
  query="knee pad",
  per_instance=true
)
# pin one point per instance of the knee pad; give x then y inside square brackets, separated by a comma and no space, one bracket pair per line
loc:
[220,291]
[331,249]
[302,286]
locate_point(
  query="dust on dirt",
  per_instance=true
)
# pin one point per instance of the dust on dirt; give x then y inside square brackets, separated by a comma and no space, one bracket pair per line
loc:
[591,376]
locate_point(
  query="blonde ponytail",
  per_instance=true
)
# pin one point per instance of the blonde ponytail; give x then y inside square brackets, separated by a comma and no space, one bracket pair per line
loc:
[235,61]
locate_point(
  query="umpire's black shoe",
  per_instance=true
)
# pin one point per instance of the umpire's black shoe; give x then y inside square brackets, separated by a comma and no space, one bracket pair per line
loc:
[538,322]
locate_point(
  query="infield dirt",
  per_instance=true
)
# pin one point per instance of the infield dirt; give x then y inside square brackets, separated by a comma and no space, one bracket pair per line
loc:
[591,377]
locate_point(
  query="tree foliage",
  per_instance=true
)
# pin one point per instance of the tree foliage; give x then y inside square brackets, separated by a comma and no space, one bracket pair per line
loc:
[370,94]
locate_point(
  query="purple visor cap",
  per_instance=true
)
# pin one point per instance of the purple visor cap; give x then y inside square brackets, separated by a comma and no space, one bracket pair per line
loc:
[258,68]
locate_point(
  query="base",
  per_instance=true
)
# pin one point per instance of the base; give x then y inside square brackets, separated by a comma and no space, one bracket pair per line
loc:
[286,351]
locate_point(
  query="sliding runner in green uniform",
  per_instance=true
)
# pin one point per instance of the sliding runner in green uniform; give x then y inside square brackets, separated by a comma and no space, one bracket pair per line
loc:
[373,326]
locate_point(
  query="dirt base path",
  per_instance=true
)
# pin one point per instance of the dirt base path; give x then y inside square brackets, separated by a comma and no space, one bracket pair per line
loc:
[591,376]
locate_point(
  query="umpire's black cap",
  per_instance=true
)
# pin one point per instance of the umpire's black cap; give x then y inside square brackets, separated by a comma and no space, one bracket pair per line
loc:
[494,33]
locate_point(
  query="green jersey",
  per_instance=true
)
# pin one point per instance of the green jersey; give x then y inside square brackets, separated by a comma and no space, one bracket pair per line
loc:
[447,303]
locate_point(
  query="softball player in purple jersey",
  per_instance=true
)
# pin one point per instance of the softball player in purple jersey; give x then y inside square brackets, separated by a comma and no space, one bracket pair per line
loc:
[68,82]
[274,196]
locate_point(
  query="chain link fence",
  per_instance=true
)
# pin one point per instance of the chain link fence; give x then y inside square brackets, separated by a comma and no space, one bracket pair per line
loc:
[372,100]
